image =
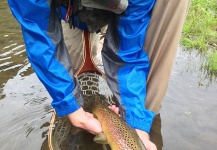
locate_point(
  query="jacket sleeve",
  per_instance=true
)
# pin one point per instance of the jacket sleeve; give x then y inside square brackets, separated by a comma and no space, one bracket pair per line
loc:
[126,63]
[47,53]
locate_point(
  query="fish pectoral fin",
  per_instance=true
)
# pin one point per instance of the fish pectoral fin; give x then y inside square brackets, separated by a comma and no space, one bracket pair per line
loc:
[100,138]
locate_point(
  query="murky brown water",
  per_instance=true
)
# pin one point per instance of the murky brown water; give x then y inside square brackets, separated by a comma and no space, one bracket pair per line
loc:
[187,119]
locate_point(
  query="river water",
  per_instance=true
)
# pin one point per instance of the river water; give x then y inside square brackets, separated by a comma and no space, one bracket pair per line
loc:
[187,119]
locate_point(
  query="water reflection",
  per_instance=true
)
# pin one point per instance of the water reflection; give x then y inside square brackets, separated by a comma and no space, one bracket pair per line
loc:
[189,111]
[195,63]
[12,49]
[25,113]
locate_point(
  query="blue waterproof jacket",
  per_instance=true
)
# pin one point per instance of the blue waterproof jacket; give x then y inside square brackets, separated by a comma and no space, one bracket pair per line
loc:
[125,62]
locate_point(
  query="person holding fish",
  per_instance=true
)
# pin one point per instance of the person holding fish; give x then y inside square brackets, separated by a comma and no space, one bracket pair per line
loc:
[137,60]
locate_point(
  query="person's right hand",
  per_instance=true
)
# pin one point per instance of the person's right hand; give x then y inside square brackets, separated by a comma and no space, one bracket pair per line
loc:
[144,136]
[85,120]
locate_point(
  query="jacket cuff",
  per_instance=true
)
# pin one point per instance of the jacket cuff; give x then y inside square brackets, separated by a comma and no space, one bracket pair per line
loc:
[66,106]
[143,124]
[71,103]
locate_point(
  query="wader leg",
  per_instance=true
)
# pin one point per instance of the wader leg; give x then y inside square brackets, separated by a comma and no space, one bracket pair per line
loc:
[74,43]
[161,44]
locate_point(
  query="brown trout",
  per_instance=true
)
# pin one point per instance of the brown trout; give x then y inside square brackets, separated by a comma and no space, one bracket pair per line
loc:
[116,132]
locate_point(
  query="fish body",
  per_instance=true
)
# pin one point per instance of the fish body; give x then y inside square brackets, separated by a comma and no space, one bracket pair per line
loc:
[119,135]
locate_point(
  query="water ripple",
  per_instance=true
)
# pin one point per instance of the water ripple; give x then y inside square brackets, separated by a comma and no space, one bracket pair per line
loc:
[12,67]
[5,58]
[5,64]
[6,47]
[19,52]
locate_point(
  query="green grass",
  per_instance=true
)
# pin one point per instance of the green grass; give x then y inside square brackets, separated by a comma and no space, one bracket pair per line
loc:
[210,65]
[200,32]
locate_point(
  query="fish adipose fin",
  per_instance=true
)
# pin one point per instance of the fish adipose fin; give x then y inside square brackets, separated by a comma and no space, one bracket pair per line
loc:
[100,138]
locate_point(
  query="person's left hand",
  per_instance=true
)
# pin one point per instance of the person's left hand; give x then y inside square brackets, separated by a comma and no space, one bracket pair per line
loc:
[144,136]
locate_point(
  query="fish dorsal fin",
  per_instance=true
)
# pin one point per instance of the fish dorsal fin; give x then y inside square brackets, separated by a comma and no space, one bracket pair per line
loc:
[100,138]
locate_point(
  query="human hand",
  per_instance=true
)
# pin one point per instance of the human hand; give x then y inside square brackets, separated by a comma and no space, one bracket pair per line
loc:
[85,120]
[144,136]
[115,109]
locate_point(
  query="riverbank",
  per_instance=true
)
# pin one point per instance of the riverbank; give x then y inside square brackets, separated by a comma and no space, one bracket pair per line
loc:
[200,33]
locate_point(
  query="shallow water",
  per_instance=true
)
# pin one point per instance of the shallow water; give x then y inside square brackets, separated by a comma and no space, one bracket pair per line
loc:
[188,113]
[187,118]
